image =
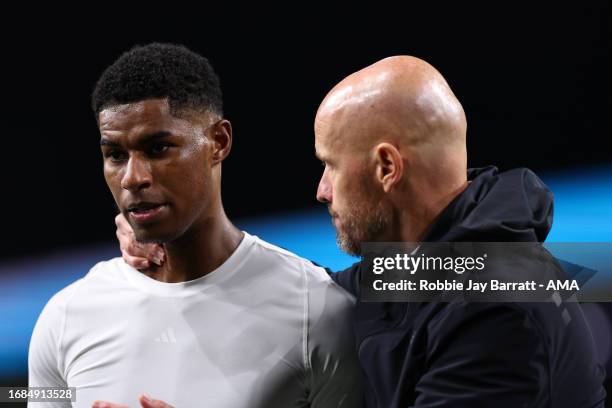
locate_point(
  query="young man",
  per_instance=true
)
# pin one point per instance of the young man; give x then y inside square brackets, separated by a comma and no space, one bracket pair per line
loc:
[228,320]
[393,140]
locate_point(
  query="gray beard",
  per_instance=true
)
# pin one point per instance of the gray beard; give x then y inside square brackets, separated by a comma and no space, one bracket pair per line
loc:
[362,226]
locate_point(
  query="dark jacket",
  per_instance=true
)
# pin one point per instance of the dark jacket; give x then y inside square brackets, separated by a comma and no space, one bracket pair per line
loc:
[479,354]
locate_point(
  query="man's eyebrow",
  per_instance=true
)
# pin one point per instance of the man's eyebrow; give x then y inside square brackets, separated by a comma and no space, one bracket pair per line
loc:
[106,142]
[145,139]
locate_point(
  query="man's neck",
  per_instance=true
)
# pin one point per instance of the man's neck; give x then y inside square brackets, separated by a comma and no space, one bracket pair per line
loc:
[416,225]
[198,252]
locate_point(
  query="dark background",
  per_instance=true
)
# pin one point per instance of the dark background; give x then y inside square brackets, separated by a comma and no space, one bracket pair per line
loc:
[533,80]
[534,83]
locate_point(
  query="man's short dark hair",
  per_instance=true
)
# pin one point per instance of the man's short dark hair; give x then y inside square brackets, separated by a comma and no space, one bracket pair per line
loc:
[157,71]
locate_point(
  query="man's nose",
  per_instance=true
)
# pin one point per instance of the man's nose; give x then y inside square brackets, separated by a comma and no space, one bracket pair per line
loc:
[137,175]
[324,190]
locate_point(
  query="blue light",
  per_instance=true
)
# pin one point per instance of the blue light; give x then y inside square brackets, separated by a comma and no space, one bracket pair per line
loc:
[583,213]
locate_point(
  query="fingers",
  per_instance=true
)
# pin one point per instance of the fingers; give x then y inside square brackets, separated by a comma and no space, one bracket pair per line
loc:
[121,222]
[105,404]
[136,254]
[147,402]
[133,250]
[135,261]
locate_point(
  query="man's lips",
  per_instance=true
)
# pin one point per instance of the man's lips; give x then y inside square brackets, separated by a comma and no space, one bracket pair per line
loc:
[142,212]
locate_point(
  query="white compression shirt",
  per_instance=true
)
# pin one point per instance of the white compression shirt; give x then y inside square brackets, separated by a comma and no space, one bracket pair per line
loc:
[265,329]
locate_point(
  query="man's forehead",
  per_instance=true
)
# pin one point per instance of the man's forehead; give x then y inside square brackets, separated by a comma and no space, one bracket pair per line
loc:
[328,150]
[147,111]
[330,139]
[321,144]
[146,118]
[138,107]
[333,126]
[324,128]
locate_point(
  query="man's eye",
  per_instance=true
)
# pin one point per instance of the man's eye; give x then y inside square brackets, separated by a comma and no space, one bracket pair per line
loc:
[115,155]
[159,148]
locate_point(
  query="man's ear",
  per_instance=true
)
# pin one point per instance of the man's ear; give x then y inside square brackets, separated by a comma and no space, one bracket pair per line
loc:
[221,138]
[389,165]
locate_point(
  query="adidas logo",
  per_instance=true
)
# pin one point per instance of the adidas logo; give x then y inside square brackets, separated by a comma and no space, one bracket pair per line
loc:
[167,336]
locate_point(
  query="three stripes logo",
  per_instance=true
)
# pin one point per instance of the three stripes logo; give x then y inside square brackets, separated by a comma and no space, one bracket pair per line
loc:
[166,336]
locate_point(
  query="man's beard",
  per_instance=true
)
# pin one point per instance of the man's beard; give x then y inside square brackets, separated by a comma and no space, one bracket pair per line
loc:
[363,224]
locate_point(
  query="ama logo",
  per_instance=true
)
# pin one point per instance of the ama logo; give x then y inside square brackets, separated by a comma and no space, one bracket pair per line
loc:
[562,285]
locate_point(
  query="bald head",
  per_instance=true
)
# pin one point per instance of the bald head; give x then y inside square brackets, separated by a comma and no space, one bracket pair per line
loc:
[397,128]
[399,99]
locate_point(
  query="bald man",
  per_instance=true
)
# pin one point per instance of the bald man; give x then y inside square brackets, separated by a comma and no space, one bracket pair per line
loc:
[392,139]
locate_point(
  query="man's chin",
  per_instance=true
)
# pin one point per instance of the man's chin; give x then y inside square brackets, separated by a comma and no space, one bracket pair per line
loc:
[348,245]
[150,236]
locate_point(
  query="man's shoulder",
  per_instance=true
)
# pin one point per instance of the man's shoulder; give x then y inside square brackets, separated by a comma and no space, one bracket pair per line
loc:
[349,278]
[313,277]
[267,252]
[103,273]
